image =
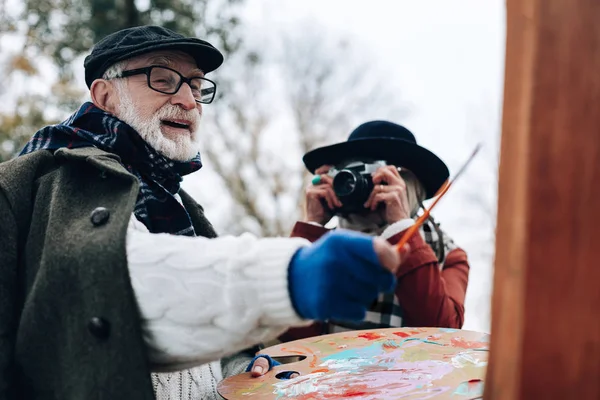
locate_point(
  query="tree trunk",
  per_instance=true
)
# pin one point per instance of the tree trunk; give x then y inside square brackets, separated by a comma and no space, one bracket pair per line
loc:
[132,14]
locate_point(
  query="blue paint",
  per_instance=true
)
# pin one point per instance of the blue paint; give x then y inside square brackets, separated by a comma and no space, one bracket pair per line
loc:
[422,340]
[471,388]
[374,350]
[449,330]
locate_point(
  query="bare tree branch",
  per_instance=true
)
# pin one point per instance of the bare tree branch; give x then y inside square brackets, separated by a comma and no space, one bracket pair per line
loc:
[323,92]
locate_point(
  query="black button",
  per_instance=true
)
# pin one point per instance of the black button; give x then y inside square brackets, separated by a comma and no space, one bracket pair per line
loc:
[99,327]
[99,216]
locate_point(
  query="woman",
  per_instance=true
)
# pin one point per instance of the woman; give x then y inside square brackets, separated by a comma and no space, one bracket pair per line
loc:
[432,282]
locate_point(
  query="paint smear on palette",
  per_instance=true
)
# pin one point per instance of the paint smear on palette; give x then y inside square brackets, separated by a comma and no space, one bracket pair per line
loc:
[473,387]
[304,351]
[382,354]
[408,342]
[404,334]
[373,372]
[449,330]
[251,390]
[371,335]
[464,344]
[470,359]
[366,385]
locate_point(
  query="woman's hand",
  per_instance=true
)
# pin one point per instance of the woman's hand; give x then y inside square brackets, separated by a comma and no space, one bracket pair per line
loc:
[320,197]
[389,191]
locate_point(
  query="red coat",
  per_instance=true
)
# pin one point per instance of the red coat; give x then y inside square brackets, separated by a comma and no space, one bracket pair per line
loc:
[429,296]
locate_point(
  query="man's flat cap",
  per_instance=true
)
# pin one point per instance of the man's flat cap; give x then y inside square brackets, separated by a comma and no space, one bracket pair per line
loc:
[131,42]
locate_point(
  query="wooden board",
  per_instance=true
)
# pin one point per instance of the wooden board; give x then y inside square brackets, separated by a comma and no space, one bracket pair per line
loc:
[546,298]
[395,363]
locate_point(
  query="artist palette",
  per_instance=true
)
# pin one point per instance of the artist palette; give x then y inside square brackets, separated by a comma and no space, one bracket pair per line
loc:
[395,363]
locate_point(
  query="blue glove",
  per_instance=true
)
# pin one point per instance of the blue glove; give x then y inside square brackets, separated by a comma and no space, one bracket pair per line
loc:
[272,363]
[338,277]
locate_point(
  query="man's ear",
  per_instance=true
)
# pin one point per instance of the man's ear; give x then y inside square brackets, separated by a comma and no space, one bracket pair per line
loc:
[104,95]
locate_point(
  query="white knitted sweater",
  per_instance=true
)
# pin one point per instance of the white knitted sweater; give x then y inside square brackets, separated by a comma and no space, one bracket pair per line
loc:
[204,299]
[198,382]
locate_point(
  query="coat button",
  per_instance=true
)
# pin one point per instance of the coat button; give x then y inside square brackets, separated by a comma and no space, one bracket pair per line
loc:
[99,216]
[99,327]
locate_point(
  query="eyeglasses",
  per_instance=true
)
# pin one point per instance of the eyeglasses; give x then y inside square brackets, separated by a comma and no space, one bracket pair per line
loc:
[168,81]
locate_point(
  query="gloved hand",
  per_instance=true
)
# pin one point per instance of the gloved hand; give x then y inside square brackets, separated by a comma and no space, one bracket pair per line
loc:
[340,275]
[262,364]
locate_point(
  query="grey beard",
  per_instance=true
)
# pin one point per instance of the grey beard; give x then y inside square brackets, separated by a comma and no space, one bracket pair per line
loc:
[177,149]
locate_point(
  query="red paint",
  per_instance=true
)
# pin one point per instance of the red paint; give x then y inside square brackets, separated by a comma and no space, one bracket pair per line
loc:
[305,351]
[371,335]
[463,344]
[292,351]
[321,370]
[354,393]
[402,334]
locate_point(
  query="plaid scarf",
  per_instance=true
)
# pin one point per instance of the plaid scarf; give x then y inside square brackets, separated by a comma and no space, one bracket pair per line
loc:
[386,311]
[160,178]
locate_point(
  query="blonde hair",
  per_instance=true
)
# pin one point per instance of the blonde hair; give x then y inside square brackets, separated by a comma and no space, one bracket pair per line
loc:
[415,192]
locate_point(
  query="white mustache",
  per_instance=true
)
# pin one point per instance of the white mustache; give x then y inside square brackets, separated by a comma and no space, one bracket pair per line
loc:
[170,111]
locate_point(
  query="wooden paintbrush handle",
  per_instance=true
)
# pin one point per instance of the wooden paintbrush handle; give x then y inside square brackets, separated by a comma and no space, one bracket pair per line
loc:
[411,231]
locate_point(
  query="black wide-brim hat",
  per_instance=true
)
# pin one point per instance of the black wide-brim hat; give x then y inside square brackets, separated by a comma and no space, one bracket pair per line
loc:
[132,42]
[383,140]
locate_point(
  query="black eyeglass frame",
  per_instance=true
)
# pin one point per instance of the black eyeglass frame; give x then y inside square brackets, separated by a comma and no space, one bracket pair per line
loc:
[182,79]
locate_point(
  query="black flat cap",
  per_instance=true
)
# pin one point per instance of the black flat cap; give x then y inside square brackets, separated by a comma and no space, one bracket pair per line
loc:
[131,42]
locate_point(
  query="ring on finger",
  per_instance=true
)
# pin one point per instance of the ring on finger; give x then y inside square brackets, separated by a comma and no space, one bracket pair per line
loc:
[316,179]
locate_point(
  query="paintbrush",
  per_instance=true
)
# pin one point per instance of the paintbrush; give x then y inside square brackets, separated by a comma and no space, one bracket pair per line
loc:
[415,227]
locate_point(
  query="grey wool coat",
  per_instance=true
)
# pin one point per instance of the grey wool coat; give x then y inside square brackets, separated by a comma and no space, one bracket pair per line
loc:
[69,323]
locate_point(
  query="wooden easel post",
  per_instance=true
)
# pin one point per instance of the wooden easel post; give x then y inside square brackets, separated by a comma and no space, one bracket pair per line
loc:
[546,305]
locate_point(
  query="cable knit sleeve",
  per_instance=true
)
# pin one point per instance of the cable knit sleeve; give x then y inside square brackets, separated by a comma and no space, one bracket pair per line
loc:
[201,299]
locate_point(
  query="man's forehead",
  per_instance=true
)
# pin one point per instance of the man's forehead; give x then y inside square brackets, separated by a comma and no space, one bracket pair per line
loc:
[168,58]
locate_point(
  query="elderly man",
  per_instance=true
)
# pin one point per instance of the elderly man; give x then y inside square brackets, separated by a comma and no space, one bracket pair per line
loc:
[109,270]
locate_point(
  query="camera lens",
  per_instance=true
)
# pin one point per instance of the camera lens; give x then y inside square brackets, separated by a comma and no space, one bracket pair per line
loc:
[352,186]
[344,183]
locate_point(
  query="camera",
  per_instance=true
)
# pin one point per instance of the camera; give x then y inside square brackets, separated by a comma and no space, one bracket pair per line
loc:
[353,185]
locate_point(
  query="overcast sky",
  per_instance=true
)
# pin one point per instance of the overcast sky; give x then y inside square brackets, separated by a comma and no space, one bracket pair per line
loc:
[445,59]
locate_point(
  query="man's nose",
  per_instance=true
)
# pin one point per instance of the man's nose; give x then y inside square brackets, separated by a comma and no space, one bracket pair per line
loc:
[184,98]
